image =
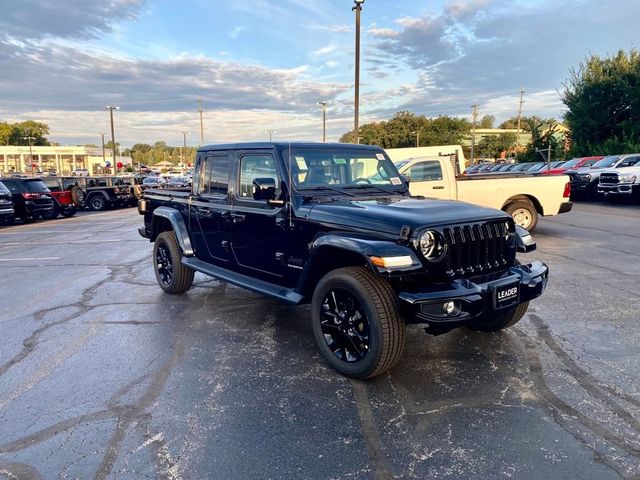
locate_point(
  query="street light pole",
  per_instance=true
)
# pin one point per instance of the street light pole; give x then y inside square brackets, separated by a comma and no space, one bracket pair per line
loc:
[324,120]
[30,138]
[271,132]
[474,115]
[417,134]
[113,137]
[104,157]
[356,120]
[201,122]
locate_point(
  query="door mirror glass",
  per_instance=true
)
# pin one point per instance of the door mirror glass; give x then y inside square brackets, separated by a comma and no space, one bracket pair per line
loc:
[264,189]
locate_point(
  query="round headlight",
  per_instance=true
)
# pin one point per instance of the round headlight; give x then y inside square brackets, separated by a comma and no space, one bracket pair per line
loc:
[432,246]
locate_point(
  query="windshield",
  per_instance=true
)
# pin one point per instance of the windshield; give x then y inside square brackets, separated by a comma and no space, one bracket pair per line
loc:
[571,163]
[606,162]
[317,167]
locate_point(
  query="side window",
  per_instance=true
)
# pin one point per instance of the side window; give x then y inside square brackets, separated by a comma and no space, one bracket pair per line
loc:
[12,186]
[219,176]
[425,171]
[92,183]
[256,166]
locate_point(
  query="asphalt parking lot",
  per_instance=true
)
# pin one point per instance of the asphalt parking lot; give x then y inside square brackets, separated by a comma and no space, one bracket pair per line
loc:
[102,375]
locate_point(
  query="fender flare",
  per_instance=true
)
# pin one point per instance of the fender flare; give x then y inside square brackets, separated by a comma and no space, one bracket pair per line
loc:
[361,246]
[177,224]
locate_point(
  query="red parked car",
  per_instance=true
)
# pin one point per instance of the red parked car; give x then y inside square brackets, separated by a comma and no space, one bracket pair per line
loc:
[572,164]
[66,196]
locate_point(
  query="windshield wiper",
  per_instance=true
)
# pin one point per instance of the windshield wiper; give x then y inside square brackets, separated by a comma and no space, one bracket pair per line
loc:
[371,185]
[325,188]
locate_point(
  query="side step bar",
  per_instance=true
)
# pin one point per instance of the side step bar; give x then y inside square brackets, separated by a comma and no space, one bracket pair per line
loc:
[250,283]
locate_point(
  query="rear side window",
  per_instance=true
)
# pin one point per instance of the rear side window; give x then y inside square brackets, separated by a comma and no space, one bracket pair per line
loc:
[67,183]
[215,174]
[4,189]
[36,186]
[15,187]
[52,184]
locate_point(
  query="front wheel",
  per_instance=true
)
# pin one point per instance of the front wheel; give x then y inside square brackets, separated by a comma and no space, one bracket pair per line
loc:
[504,320]
[172,276]
[356,322]
[68,212]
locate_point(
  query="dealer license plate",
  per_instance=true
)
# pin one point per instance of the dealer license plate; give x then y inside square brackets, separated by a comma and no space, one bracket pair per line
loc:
[506,295]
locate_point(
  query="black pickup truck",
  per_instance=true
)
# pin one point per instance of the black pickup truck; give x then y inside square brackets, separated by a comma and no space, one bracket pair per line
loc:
[334,225]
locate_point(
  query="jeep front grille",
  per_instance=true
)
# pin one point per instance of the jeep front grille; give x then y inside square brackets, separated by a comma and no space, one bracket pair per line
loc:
[477,249]
[609,178]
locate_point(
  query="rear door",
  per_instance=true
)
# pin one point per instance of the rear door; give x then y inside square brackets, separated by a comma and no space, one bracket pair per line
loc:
[209,215]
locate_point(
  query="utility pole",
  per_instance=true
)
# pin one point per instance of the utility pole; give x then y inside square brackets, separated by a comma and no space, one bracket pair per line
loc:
[417,134]
[324,120]
[474,115]
[113,137]
[184,138]
[356,120]
[201,122]
[519,119]
[271,132]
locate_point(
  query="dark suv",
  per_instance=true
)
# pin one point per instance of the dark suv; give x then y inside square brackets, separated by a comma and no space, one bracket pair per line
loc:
[31,198]
[100,192]
[6,205]
[334,225]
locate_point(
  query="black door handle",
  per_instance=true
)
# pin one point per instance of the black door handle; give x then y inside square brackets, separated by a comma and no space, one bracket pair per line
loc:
[206,212]
[237,217]
[438,188]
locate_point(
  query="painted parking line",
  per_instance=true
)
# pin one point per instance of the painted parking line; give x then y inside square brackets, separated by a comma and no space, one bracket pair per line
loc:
[27,259]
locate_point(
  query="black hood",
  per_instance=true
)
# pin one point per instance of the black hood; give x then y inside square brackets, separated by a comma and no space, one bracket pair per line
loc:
[390,214]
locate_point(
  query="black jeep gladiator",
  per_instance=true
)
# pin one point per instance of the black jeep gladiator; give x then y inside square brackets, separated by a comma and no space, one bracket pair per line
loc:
[334,225]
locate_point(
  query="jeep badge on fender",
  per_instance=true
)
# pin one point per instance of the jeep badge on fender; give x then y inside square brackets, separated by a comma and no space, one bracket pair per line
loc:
[334,225]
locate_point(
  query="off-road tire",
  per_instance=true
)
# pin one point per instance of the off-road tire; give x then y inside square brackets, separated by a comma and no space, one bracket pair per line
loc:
[386,326]
[68,213]
[182,277]
[97,203]
[504,320]
[523,209]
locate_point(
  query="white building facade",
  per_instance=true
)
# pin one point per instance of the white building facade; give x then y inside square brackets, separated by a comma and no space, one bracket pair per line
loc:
[62,160]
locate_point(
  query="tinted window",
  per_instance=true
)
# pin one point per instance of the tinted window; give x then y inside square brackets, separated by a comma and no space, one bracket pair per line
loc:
[256,166]
[4,189]
[219,176]
[425,171]
[52,183]
[36,186]
[607,161]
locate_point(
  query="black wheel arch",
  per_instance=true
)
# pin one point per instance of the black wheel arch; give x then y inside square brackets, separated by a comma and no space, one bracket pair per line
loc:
[526,198]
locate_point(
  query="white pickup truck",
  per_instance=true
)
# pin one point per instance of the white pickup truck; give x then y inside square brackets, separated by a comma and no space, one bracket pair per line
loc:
[524,197]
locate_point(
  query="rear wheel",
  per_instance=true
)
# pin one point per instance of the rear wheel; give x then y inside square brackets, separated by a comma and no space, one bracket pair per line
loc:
[172,276]
[504,320]
[356,322]
[97,203]
[51,214]
[524,214]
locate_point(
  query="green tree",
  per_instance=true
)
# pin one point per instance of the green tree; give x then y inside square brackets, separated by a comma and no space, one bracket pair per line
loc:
[525,123]
[494,145]
[29,128]
[6,130]
[487,121]
[602,96]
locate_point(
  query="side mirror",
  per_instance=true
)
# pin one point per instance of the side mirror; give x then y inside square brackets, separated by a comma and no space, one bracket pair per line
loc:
[525,243]
[406,178]
[264,189]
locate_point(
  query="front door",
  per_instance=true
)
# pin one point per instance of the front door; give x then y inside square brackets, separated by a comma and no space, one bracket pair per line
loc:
[209,217]
[428,179]
[259,234]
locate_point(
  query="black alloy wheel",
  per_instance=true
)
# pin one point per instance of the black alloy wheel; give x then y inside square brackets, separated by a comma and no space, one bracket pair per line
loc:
[344,325]
[173,277]
[356,322]
[164,265]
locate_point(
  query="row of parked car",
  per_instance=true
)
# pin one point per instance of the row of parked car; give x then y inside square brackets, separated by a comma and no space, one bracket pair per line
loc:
[612,177]
[30,199]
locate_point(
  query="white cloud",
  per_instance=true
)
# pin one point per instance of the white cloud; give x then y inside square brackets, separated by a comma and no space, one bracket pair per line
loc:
[324,50]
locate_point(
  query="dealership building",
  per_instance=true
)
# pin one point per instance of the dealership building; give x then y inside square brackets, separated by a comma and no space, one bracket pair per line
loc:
[62,160]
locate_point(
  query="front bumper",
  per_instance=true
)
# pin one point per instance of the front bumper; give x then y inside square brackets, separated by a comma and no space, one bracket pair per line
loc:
[475,301]
[619,189]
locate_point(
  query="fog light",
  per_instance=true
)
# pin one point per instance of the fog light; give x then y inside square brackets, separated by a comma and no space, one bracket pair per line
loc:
[449,307]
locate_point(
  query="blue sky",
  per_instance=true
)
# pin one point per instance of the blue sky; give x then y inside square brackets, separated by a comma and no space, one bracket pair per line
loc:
[263,65]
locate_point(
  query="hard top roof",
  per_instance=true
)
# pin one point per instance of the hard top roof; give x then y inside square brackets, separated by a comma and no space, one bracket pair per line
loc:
[284,145]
